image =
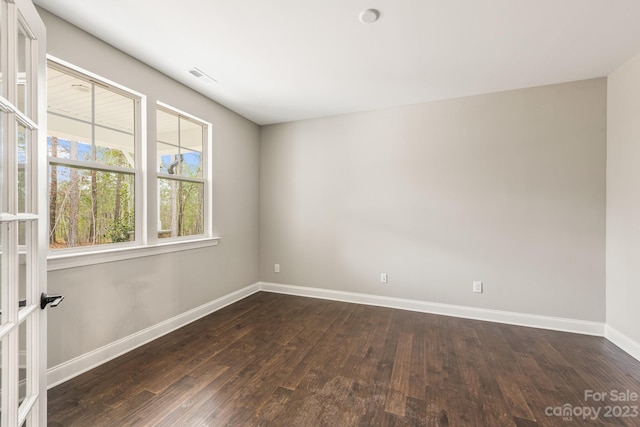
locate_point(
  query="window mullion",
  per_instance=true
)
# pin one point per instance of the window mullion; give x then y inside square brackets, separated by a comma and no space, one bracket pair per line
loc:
[81,164]
[180,178]
[93,121]
[179,146]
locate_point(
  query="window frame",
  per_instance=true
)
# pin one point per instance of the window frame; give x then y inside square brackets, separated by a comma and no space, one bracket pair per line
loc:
[206,178]
[136,171]
[146,241]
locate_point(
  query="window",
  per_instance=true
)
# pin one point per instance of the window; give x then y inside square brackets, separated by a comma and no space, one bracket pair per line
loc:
[102,172]
[182,151]
[94,161]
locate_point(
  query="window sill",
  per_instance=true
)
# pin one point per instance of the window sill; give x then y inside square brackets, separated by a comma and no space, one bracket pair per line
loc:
[64,261]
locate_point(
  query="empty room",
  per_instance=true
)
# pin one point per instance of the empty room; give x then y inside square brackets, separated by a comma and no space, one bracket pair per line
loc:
[340,213]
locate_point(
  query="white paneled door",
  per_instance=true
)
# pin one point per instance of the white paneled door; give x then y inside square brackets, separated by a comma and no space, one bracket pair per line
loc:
[23,222]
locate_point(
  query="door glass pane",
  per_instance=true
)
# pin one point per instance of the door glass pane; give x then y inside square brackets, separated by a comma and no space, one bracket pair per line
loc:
[2,349]
[2,118]
[3,245]
[90,207]
[2,58]
[23,150]
[23,63]
[181,208]
[24,373]
[25,229]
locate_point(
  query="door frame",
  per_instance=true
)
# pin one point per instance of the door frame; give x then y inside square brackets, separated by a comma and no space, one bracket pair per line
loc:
[16,14]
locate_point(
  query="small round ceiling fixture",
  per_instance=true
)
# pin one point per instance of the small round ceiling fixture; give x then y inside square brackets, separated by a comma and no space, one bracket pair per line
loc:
[369,16]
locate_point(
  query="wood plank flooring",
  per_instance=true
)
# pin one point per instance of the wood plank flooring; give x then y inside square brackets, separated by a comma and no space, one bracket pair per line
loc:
[278,360]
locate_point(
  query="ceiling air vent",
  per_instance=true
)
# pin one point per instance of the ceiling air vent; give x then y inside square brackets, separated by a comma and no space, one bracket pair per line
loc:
[202,75]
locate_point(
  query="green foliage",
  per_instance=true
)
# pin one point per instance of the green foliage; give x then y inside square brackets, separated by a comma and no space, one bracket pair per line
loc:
[119,230]
[108,216]
[181,207]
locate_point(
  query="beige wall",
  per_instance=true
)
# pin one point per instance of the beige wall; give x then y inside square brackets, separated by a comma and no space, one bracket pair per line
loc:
[110,301]
[623,200]
[506,188]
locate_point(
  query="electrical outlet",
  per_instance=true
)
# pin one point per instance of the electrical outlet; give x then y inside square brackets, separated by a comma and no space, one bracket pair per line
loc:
[276,268]
[384,278]
[477,287]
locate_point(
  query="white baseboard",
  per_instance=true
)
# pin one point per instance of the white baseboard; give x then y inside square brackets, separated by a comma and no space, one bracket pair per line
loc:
[74,367]
[531,320]
[621,340]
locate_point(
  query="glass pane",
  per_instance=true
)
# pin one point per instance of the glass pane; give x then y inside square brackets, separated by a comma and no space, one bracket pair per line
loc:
[24,175]
[181,208]
[69,116]
[180,142]
[25,234]
[23,64]
[3,348]
[24,373]
[99,121]
[63,148]
[191,148]
[2,118]
[2,61]
[22,233]
[3,245]
[114,148]
[115,128]
[169,158]
[90,207]
[167,126]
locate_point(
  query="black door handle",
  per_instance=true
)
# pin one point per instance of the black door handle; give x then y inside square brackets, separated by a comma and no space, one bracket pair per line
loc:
[54,300]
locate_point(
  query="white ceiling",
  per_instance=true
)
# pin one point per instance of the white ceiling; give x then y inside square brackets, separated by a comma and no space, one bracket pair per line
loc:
[284,60]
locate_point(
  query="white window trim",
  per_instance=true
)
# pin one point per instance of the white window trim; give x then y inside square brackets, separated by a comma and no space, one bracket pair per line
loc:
[146,243]
[108,254]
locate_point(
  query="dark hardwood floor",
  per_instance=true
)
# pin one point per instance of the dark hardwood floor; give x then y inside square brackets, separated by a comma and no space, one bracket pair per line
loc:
[281,360]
